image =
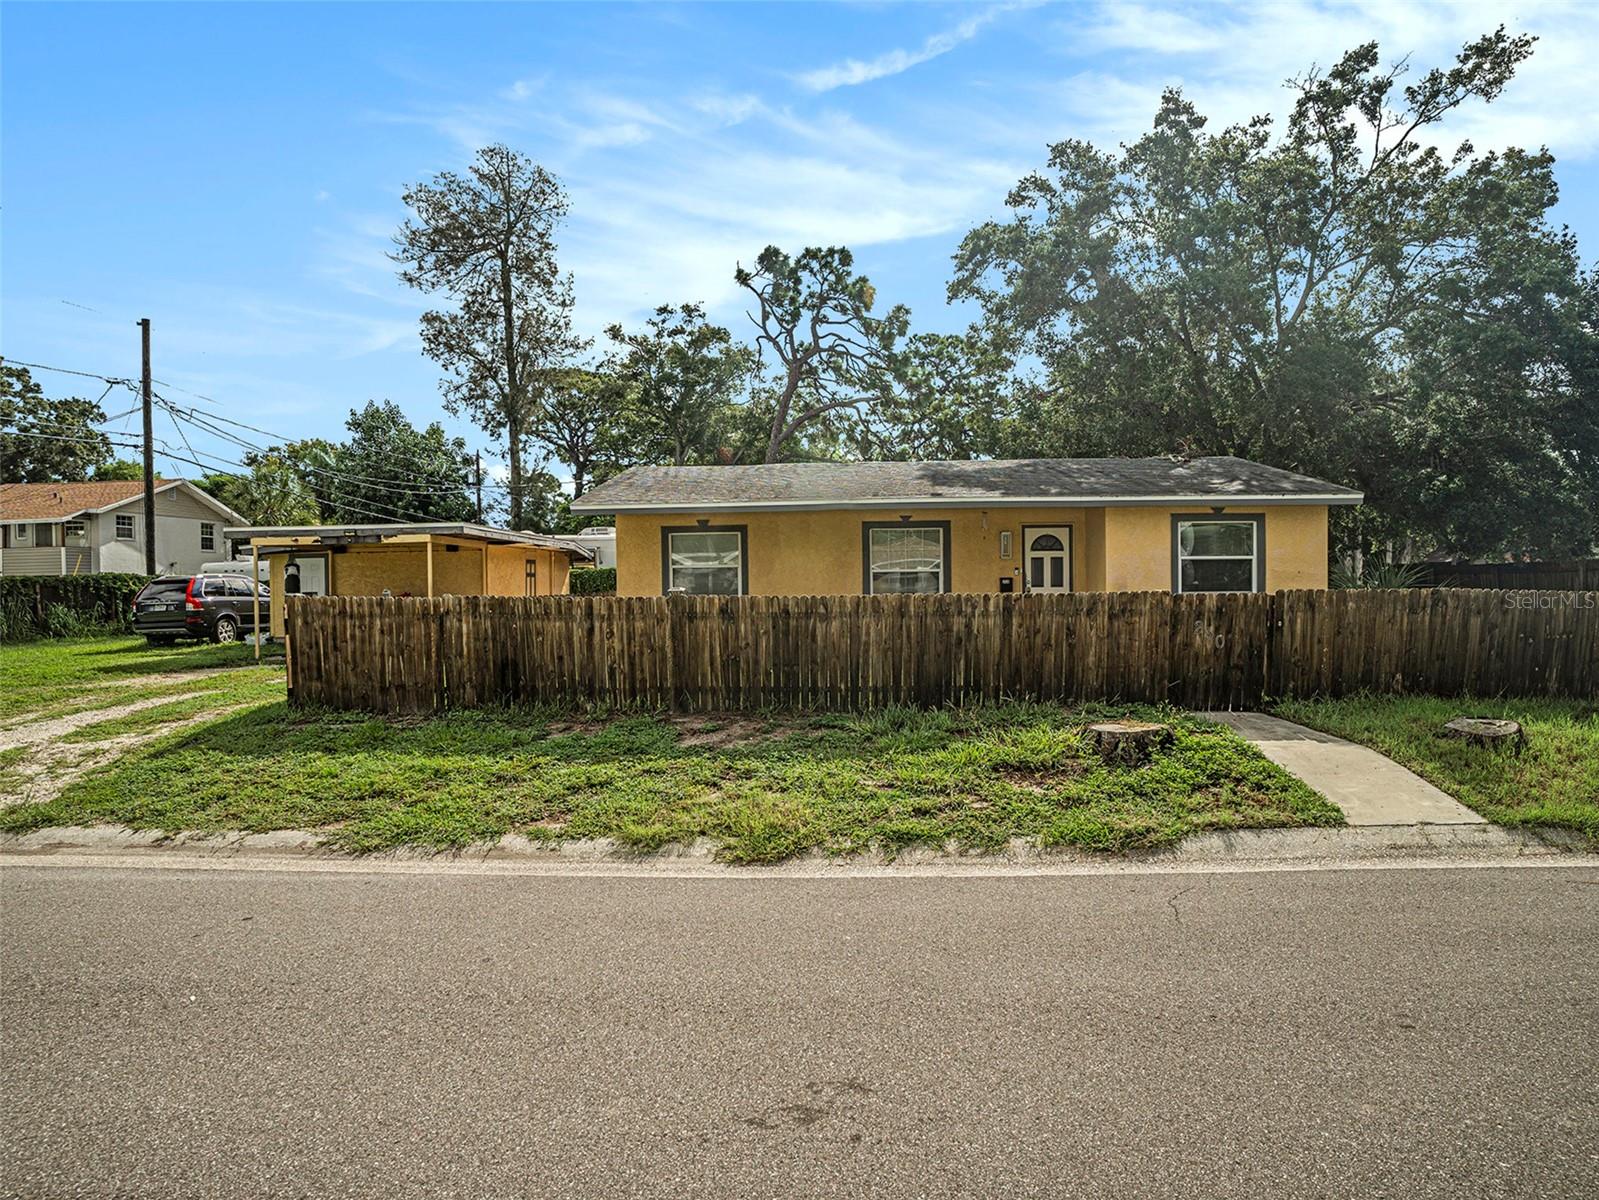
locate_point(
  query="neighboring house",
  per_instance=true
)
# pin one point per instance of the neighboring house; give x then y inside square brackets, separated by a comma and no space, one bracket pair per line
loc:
[88,528]
[1040,525]
[426,559]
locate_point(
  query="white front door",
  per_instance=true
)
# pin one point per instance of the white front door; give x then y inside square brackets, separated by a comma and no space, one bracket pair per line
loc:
[1047,550]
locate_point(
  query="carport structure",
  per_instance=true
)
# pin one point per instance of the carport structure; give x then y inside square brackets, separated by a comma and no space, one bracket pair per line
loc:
[425,559]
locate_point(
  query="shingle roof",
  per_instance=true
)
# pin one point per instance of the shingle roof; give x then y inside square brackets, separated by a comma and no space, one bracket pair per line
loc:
[985,482]
[61,501]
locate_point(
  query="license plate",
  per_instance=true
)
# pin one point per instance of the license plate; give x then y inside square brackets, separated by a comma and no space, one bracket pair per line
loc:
[159,607]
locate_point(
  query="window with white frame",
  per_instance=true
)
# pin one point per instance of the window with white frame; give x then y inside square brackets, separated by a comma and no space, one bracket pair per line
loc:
[906,559]
[74,533]
[24,535]
[705,562]
[1221,554]
[208,535]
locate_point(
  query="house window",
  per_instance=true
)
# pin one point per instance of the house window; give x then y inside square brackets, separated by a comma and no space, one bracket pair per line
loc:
[903,558]
[704,561]
[1221,554]
[44,535]
[530,576]
[208,535]
[73,533]
[23,535]
[124,527]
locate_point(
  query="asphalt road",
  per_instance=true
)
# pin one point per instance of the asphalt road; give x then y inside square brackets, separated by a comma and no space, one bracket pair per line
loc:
[1416,1033]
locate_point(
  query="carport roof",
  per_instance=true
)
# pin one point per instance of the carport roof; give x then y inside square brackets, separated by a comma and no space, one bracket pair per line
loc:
[344,535]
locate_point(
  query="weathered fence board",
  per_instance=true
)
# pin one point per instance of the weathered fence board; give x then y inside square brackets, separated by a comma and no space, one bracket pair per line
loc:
[718,652]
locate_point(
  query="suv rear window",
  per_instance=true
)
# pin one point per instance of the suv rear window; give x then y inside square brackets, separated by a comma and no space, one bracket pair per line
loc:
[164,589]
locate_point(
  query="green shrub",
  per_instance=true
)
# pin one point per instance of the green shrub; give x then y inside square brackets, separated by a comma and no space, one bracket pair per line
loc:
[593,581]
[66,605]
[1379,574]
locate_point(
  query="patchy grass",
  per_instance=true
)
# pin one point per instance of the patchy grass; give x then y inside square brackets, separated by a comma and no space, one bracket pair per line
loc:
[1553,782]
[55,678]
[10,778]
[253,687]
[763,787]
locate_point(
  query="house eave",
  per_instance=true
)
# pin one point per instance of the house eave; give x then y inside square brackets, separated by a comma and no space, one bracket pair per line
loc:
[200,494]
[879,504]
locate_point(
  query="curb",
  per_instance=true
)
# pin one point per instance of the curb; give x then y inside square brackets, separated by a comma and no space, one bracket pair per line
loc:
[1343,848]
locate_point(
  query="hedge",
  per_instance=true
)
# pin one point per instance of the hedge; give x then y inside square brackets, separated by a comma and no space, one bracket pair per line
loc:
[593,581]
[66,605]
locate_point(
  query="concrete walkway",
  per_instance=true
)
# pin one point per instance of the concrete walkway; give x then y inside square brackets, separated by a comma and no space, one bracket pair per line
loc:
[1370,788]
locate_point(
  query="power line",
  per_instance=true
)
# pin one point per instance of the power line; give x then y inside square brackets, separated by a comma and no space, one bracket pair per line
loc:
[204,422]
[166,451]
[373,482]
[33,366]
[207,423]
[58,437]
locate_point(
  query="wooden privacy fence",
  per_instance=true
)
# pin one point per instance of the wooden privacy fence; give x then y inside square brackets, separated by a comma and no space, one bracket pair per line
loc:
[727,652]
[1578,574]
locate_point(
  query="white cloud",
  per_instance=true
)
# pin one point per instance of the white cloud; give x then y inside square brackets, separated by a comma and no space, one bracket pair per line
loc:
[522,89]
[1233,61]
[853,71]
[728,110]
[668,194]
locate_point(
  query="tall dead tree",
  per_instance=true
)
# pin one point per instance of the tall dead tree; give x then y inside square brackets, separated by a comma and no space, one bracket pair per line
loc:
[486,240]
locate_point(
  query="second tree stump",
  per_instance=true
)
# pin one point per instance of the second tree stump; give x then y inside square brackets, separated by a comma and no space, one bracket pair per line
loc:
[1128,743]
[1489,732]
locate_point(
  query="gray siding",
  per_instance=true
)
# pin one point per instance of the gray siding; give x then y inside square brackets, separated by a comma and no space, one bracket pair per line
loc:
[31,560]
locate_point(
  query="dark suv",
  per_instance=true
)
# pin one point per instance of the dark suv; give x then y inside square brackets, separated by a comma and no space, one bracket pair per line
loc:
[218,607]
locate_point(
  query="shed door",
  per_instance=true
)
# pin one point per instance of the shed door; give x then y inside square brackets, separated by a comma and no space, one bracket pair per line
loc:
[1048,551]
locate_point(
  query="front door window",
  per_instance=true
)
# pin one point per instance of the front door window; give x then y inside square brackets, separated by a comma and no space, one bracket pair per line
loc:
[1049,558]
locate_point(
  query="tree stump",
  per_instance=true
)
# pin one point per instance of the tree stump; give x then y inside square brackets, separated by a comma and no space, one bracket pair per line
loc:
[1128,743]
[1489,732]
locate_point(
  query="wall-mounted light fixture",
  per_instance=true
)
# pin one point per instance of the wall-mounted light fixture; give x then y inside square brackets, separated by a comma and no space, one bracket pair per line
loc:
[905,518]
[703,522]
[1004,543]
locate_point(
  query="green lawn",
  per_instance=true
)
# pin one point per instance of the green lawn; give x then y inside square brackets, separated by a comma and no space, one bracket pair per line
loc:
[763,787]
[1553,782]
[52,678]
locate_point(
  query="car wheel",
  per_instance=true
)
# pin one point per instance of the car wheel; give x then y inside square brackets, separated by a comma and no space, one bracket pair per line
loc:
[227,630]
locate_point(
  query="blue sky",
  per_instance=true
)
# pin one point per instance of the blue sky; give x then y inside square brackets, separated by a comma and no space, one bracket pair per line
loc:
[234,171]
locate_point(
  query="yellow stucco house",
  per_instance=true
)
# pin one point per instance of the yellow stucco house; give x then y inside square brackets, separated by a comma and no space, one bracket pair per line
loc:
[427,559]
[1021,525]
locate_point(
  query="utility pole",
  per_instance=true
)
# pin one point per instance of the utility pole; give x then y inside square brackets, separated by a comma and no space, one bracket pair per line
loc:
[480,487]
[149,451]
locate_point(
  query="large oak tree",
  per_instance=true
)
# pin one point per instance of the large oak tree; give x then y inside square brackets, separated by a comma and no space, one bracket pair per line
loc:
[1342,298]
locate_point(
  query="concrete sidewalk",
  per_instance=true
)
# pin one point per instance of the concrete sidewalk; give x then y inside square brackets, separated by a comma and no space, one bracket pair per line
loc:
[1370,788]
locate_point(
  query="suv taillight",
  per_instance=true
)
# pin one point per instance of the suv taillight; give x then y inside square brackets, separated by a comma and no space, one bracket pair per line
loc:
[190,600]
